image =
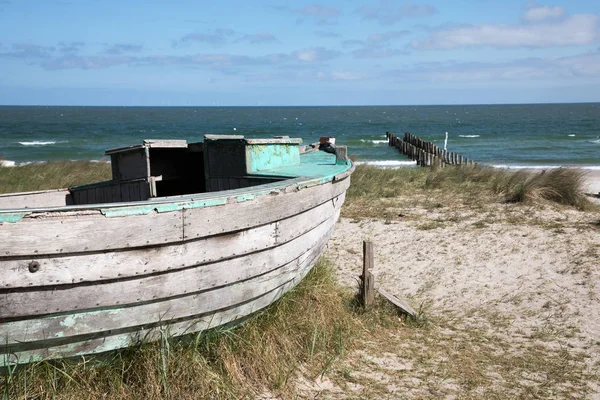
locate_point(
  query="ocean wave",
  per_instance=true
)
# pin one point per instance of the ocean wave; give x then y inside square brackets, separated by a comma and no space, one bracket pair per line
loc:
[541,167]
[386,163]
[9,163]
[36,143]
[373,141]
[506,166]
[469,136]
[571,135]
[597,141]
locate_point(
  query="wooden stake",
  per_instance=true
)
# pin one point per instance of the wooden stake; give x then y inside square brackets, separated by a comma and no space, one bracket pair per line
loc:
[399,302]
[368,280]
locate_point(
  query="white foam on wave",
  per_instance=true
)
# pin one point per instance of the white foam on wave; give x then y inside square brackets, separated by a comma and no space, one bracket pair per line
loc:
[387,163]
[373,141]
[571,135]
[540,167]
[469,136]
[36,143]
[505,166]
[597,141]
[7,163]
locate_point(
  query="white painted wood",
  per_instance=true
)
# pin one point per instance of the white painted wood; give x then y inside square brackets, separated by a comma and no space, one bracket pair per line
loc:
[172,143]
[86,267]
[85,346]
[201,222]
[212,263]
[57,299]
[46,198]
[73,232]
[187,306]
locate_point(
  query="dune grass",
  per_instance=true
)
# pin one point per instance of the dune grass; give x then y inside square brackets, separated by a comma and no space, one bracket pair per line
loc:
[305,332]
[315,330]
[375,190]
[52,175]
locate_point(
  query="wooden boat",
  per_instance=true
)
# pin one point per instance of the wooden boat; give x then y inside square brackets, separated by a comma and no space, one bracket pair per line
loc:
[185,237]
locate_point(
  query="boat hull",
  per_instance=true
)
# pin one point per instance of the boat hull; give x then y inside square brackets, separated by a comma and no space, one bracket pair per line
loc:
[122,275]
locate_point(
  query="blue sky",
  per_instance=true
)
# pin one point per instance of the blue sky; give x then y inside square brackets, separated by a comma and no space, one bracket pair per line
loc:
[261,52]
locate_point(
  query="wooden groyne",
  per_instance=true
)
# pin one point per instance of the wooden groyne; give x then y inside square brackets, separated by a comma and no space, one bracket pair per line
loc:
[426,154]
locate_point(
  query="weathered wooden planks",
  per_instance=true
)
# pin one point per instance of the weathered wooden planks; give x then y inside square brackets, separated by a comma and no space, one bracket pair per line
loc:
[59,197]
[73,232]
[88,267]
[43,332]
[80,279]
[77,346]
[171,282]
[400,303]
[258,210]
[112,192]
[81,231]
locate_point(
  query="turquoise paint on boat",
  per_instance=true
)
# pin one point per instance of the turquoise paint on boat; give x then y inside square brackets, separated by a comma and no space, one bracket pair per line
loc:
[166,207]
[127,211]
[11,218]
[205,203]
[260,157]
[246,197]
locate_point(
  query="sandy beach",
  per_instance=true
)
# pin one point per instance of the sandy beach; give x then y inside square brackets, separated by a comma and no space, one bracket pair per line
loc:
[516,282]
[592,181]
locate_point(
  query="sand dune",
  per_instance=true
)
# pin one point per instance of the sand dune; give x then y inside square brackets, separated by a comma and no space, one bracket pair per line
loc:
[526,278]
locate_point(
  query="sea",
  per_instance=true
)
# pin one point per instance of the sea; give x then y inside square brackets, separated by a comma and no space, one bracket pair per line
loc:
[513,136]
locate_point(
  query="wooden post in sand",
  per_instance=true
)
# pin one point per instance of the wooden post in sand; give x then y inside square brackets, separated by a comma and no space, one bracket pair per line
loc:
[367,278]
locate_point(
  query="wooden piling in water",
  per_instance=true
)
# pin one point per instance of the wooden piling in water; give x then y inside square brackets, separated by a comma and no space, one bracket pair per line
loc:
[425,154]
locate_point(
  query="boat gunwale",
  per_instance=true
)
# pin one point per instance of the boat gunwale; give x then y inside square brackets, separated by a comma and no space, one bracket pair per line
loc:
[210,198]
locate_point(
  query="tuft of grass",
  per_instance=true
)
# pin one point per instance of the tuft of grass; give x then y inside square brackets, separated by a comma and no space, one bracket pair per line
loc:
[559,185]
[52,175]
[380,193]
[306,332]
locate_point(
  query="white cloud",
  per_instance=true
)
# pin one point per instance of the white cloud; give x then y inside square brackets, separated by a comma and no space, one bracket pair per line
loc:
[28,50]
[386,36]
[86,62]
[389,12]
[341,76]
[579,29]
[218,37]
[322,14]
[377,52]
[257,38]
[584,66]
[318,11]
[537,13]
[346,76]
[327,34]
[375,45]
[122,48]
[314,54]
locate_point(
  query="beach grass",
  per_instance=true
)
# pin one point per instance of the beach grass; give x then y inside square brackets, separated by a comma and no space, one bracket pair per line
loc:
[303,333]
[316,332]
[52,175]
[381,193]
